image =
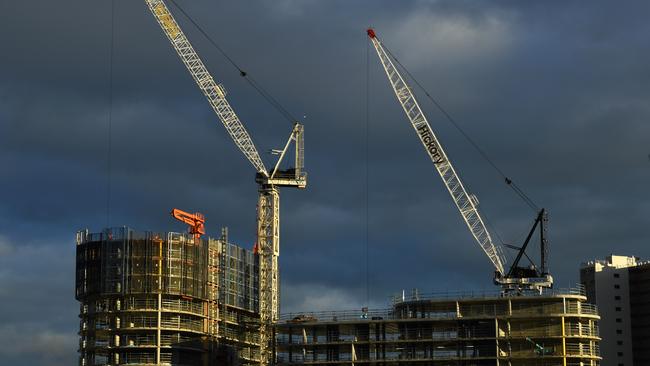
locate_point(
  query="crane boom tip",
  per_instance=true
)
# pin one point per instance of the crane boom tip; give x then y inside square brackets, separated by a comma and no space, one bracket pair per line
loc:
[371,33]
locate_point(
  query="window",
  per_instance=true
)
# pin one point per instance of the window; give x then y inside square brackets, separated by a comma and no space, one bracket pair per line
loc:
[620,343]
[619,320]
[617,286]
[617,275]
[619,331]
[617,297]
[620,354]
[618,308]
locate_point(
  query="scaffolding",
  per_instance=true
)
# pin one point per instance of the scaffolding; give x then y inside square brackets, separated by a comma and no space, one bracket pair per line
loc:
[165,299]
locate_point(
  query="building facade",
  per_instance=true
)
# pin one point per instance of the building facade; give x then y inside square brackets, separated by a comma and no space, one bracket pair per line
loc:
[639,276]
[557,328]
[165,299]
[620,286]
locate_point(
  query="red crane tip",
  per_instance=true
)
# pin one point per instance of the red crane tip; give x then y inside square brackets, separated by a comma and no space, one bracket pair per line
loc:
[371,33]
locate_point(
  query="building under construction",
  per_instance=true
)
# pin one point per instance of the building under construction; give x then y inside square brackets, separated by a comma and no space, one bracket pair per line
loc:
[177,299]
[556,328]
[165,299]
[169,299]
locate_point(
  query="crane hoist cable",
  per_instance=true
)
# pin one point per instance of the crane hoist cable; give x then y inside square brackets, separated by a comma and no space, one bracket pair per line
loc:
[481,152]
[109,142]
[367,175]
[249,79]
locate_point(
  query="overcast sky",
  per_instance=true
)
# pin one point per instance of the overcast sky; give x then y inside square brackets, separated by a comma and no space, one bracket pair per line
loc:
[556,92]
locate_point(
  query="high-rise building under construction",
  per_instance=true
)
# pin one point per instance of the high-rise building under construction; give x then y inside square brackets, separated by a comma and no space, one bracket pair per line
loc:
[170,299]
[165,299]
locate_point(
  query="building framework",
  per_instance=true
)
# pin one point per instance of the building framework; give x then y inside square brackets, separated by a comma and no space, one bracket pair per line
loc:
[170,299]
[556,328]
[165,299]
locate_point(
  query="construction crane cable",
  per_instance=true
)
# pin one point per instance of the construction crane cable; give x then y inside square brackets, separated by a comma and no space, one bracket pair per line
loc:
[109,141]
[252,82]
[508,181]
[493,229]
[269,98]
[367,172]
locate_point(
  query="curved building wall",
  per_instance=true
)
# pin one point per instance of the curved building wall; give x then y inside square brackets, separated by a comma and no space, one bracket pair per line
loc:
[163,299]
[121,261]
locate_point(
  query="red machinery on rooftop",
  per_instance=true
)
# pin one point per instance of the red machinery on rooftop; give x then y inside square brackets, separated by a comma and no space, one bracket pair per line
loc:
[196,221]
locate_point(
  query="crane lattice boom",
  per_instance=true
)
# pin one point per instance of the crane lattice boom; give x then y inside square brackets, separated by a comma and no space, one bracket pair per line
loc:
[268,210]
[213,92]
[466,203]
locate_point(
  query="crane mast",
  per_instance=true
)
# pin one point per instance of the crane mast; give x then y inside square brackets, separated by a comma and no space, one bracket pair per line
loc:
[466,202]
[268,207]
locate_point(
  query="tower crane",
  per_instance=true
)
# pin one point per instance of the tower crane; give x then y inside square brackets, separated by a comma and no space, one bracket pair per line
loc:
[268,207]
[516,278]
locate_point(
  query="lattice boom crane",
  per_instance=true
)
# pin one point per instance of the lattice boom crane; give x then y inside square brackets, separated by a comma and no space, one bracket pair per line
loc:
[465,202]
[268,209]
[517,278]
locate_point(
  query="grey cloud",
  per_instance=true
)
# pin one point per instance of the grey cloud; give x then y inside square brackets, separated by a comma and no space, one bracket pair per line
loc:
[6,248]
[38,319]
[554,91]
[34,343]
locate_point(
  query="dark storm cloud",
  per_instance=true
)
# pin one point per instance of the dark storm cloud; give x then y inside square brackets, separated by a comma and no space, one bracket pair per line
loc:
[556,92]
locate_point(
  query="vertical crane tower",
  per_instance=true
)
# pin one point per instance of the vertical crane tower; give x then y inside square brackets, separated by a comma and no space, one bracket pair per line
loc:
[516,279]
[268,208]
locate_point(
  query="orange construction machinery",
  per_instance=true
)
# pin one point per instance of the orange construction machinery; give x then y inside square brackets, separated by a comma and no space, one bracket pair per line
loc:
[196,221]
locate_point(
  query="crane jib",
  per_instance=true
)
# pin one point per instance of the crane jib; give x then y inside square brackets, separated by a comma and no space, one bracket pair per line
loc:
[430,143]
[168,22]
[465,202]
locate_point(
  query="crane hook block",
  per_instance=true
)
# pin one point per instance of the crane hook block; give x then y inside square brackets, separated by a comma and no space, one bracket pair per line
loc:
[371,33]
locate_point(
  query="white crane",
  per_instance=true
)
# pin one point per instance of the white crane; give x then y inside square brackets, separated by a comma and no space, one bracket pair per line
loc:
[268,209]
[516,278]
